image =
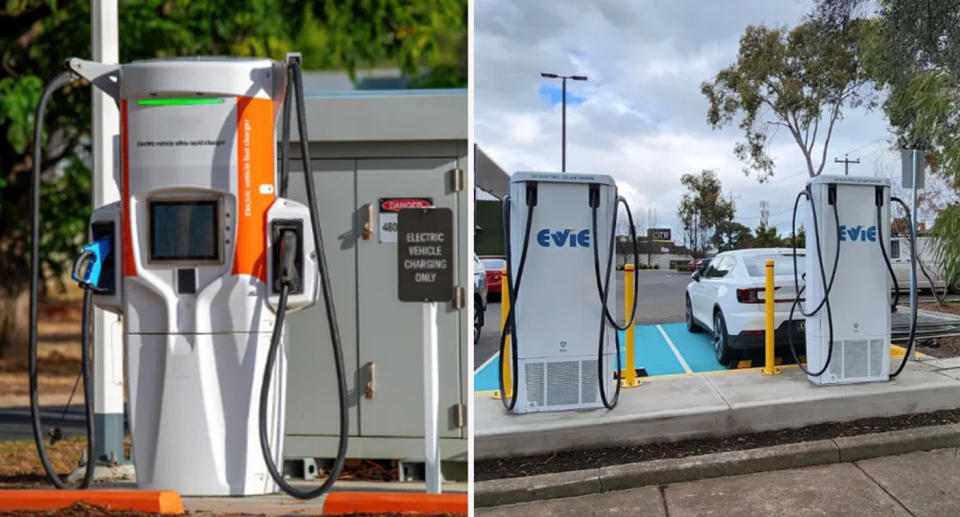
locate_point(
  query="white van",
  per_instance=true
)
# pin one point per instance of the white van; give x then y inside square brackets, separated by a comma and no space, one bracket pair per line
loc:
[900,260]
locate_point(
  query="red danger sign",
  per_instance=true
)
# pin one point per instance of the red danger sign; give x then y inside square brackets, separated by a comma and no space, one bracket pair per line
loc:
[397,204]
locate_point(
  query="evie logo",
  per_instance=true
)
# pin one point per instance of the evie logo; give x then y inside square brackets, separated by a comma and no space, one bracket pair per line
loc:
[561,238]
[858,233]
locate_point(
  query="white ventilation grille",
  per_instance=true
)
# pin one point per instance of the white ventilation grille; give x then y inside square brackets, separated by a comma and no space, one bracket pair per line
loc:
[589,391]
[856,359]
[563,383]
[560,384]
[534,375]
[877,354]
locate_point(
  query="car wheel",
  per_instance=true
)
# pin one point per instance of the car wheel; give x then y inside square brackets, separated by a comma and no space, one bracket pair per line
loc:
[692,325]
[954,288]
[726,356]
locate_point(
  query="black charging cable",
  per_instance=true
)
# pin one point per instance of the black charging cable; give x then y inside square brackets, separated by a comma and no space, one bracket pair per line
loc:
[828,286]
[287,279]
[62,79]
[513,291]
[913,306]
[604,296]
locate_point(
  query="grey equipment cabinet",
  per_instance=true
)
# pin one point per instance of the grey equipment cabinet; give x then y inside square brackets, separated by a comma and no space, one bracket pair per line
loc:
[367,147]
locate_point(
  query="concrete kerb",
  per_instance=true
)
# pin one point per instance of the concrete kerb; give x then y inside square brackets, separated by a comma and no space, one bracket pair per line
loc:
[659,472]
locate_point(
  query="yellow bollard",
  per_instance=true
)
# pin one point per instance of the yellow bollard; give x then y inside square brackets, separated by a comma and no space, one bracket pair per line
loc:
[630,375]
[504,310]
[768,366]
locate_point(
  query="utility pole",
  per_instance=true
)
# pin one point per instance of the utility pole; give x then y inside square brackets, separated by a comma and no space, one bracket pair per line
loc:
[107,327]
[563,101]
[764,213]
[846,163]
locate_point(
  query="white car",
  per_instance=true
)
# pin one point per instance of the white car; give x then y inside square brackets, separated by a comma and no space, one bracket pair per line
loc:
[727,299]
[926,252]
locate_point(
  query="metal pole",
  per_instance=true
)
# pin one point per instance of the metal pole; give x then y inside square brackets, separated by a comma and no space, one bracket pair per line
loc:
[108,337]
[431,399]
[504,312]
[563,147]
[768,356]
[630,375]
[913,245]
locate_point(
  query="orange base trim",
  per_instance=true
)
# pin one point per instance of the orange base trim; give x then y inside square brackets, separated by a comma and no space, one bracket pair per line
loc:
[165,501]
[338,503]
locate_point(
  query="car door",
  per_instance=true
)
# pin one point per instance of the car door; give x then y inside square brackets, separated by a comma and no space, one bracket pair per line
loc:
[706,293]
[696,292]
[900,261]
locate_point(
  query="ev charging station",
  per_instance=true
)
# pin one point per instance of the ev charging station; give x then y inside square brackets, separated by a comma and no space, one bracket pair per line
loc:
[846,281]
[560,245]
[857,324]
[203,257]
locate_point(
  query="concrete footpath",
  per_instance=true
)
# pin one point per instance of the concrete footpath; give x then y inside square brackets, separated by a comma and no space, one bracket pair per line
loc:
[918,483]
[727,403]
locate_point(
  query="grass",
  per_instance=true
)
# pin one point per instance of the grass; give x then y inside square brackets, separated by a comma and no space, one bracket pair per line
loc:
[20,465]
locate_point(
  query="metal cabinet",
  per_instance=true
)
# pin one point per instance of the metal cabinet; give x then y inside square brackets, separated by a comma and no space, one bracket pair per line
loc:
[364,147]
[381,336]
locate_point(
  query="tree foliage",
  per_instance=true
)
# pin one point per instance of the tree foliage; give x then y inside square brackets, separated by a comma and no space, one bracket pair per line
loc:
[732,235]
[425,39]
[702,209]
[799,80]
[766,237]
[914,55]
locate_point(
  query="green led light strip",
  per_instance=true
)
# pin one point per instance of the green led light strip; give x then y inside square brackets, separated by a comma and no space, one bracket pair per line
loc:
[179,102]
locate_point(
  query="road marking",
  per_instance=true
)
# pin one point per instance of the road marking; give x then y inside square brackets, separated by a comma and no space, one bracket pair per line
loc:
[676,352]
[488,361]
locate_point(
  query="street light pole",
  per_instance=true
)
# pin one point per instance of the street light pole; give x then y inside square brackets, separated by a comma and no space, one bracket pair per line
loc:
[563,102]
[563,130]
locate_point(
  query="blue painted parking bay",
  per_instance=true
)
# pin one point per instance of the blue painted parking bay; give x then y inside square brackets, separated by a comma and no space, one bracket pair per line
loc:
[664,349]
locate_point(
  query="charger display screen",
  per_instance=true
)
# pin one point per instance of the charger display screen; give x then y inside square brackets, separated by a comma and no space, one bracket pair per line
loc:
[185,231]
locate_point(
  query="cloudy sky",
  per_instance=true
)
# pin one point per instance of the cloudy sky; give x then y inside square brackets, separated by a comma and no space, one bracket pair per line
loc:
[641,117]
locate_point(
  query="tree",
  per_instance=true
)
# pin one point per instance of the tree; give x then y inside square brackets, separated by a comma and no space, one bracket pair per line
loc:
[652,222]
[766,237]
[914,56]
[426,40]
[731,235]
[787,241]
[800,80]
[702,209]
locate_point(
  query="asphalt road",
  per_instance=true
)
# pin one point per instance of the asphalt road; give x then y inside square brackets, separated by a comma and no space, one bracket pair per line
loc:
[660,300]
[15,422]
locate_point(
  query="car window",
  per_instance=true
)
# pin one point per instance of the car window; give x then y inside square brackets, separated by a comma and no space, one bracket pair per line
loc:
[782,264]
[894,248]
[495,264]
[715,267]
[726,266]
[477,265]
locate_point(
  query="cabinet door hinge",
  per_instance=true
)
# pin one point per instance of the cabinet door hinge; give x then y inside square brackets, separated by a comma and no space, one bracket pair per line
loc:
[456,180]
[458,416]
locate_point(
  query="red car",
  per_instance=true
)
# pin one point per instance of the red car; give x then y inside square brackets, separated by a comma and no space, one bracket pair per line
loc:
[695,265]
[493,265]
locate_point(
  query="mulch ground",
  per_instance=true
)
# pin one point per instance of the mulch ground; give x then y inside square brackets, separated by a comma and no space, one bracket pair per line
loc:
[940,347]
[580,460]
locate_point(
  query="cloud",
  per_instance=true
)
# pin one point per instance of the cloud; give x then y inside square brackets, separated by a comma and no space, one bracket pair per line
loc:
[640,117]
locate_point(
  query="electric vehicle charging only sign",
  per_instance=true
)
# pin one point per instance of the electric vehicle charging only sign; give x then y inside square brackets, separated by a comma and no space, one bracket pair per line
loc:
[425,254]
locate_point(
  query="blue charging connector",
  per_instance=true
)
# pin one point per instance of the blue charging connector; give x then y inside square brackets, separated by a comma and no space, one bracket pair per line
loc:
[93,255]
